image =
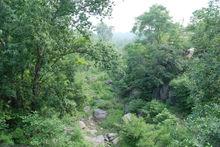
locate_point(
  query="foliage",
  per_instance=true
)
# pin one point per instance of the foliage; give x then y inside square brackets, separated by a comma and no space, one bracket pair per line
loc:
[35,35]
[137,133]
[43,50]
[204,122]
[205,69]
[180,94]
[91,85]
[152,109]
[132,131]
[41,131]
[135,105]
[156,57]
[51,67]
[106,57]
[156,65]
[5,137]
[157,27]
[204,74]
[113,119]
[104,32]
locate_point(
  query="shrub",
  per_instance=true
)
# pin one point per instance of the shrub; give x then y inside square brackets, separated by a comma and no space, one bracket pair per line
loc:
[131,132]
[103,104]
[180,94]
[137,133]
[204,122]
[41,131]
[135,105]
[152,109]
[91,85]
[5,137]
[114,116]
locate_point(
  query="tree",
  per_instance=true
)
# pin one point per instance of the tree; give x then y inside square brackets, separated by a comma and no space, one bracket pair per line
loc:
[206,38]
[204,74]
[104,32]
[35,35]
[155,25]
[160,57]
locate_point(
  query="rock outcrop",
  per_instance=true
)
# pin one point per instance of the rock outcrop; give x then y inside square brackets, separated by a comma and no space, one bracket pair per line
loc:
[99,114]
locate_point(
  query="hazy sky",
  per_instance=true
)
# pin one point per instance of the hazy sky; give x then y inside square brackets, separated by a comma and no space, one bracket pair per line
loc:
[125,11]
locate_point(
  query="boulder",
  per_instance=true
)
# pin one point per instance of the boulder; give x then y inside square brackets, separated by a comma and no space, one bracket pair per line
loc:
[99,114]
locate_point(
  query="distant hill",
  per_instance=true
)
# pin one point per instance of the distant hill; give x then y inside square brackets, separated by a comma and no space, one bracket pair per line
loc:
[121,39]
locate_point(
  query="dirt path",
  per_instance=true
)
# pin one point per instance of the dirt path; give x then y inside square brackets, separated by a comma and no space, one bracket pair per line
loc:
[92,132]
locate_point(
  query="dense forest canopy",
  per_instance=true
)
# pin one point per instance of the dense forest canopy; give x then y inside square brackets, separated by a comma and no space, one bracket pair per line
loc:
[63,81]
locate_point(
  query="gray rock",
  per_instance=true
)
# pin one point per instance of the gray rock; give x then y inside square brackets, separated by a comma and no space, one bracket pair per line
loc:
[111,136]
[115,141]
[99,114]
[82,125]
[108,82]
[190,52]
[99,139]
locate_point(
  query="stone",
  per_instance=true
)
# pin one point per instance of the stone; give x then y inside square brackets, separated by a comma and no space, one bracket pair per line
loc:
[108,82]
[111,136]
[87,109]
[99,139]
[82,125]
[115,141]
[190,52]
[99,114]
[92,132]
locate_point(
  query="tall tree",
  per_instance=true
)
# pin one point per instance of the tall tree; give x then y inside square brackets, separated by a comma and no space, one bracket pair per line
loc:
[163,45]
[104,32]
[36,34]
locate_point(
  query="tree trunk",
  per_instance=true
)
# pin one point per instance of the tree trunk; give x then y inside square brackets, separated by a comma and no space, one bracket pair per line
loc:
[36,77]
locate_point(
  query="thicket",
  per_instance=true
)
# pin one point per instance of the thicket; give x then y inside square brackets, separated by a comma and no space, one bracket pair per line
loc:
[176,95]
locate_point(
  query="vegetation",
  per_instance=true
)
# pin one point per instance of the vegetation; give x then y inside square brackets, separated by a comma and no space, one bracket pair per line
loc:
[53,65]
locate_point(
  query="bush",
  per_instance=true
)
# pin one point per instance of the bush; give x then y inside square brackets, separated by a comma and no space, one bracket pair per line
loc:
[180,94]
[152,109]
[135,105]
[5,137]
[91,85]
[103,104]
[137,133]
[41,131]
[131,132]
[114,116]
[204,122]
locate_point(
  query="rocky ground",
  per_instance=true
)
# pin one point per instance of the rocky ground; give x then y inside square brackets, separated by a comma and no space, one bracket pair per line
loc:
[94,133]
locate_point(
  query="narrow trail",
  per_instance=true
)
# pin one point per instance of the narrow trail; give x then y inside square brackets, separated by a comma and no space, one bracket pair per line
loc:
[95,135]
[92,133]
